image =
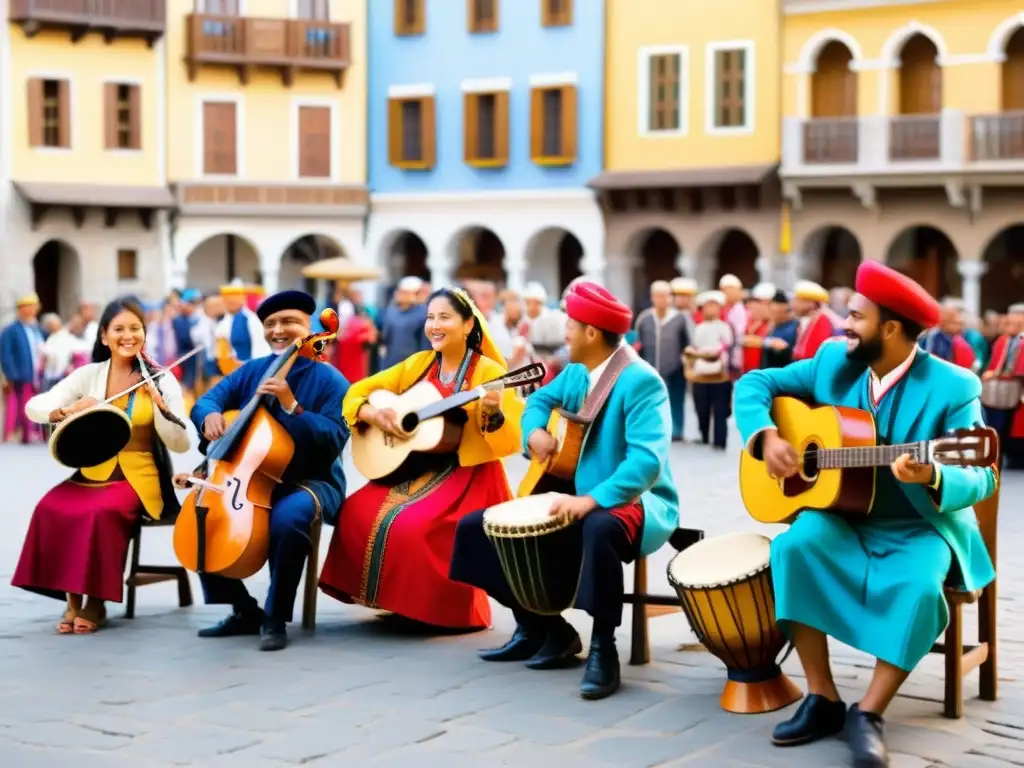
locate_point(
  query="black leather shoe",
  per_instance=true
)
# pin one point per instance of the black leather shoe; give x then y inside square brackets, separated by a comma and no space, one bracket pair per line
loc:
[865,735]
[816,718]
[602,676]
[522,646]
[236,624]
[273,636]
[561,648]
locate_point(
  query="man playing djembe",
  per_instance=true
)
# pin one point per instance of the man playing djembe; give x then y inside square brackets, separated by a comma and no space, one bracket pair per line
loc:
[626,500]
[875,584]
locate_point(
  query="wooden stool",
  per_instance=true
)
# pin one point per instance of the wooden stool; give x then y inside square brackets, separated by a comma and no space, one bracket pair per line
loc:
[640,644]
[141,575]
[312,583]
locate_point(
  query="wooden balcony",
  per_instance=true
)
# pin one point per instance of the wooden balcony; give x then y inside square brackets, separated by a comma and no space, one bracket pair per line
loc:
[831,140]
[915,137]
[287,45]
[996,137]
[145,19]
[330,201]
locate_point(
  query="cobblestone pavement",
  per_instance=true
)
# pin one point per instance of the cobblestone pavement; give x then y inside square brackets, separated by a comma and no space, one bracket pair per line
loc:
[147,692]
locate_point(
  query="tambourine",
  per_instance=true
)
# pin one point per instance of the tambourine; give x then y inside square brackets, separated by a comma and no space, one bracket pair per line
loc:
[91,437]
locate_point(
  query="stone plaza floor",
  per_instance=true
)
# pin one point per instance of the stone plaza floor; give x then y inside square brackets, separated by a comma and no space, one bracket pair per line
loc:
[148,692]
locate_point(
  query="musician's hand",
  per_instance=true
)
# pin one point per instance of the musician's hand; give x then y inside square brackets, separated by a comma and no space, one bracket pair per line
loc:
[779,344]
[576,507]
[278,388]
[387,420]
[779,456]
[908,470]
[491,401]
[181,480]
[80,405]
[214,426]
[988,375]
[541,444]
[157,398]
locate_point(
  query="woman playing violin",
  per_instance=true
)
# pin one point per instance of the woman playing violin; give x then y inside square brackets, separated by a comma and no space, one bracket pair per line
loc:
[393,543]
[77,541]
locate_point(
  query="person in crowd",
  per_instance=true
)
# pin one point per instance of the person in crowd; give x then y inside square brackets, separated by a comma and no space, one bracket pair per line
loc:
[22,360]
[662,335]
[734,314]
[401,324]
[239,333]
[777,350]
[758,325]
[816,322]
[946,340]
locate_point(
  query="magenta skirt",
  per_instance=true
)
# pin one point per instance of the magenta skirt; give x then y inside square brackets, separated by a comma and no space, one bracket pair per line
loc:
[78,541]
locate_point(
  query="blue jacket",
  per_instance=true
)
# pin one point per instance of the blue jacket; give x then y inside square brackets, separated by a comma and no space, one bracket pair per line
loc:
[626,450]
[16,354]
[939,397]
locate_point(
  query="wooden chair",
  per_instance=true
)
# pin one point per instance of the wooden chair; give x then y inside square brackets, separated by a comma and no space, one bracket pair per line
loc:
[312,583]
[642,602]
[961,659]
[140,575]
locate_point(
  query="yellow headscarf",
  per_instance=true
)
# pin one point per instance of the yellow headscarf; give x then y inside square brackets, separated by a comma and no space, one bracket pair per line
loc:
[487,346]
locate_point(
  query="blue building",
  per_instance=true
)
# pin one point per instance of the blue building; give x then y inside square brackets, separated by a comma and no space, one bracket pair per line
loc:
[485,123]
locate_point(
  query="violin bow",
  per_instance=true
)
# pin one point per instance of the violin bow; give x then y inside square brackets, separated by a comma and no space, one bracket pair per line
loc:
[148,377]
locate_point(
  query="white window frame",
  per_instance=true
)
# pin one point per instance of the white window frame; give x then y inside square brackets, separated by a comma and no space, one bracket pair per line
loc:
[238,100]
[293,10]
[333,105]
[749,89]
[644,56]
[114,80]
[73,132]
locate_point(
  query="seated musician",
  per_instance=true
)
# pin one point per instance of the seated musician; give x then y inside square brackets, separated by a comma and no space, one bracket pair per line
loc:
[393,543]
[78,538]
[307,406]
[876,583]
[626,502]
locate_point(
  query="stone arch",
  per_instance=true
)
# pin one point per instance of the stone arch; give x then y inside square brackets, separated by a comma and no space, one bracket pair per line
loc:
[553,258]
[219,258]
[476,252]
[730,250]
[929,256]
[655,254]
[57,277]
[1012,77]
[894,44]
[1001,36]
[831,255]
[302,251]
[402,253]
[1003,281]
[816,43]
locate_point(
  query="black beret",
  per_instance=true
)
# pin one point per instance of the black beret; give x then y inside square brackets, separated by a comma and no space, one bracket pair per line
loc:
[780,297]
[297,300]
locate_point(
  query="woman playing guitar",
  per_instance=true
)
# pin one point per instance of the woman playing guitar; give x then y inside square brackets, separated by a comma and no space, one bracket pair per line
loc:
[393,542]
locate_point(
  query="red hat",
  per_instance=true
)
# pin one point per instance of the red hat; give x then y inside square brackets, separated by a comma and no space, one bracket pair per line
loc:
[591,304]
[898,293]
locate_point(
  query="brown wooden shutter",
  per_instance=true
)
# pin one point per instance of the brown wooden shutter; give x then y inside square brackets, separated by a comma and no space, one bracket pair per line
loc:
[314,142]
[65,113]
[569,130]
[220,150]
[394,131]
[135,116]
[536,123]
[470,126]
[209,138]
[35,112]
[428,121]
[230,134]
[501,126]
[110,116]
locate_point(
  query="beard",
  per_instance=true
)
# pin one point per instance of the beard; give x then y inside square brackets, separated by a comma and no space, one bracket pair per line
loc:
[867,350]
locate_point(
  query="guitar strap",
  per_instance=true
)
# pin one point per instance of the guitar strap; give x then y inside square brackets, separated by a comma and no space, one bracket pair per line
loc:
[621,358]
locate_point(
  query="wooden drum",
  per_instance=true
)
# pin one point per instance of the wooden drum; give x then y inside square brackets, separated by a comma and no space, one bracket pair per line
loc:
[725,587]
[541,555]
[91,437]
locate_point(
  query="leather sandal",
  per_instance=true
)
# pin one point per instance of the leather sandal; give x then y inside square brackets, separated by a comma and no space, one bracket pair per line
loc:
[87,627]
[66,625]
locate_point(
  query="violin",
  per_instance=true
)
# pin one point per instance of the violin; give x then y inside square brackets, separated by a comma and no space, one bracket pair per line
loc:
[224,524]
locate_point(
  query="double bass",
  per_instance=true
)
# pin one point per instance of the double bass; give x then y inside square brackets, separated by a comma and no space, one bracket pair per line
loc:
[224,524]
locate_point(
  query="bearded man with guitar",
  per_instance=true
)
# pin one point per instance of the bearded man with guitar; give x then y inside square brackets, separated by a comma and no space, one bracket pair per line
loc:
[873,583]
[623,497]
[307,403]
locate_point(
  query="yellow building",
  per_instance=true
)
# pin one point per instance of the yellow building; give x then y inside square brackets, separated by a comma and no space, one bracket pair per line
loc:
[903,140]
[692,140]
[179,147]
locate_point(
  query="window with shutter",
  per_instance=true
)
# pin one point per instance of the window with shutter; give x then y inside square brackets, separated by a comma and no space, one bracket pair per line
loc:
[486,129]
[314,142]
[553,125]
[127,264]
[55,107]
[731,73]
[664,92]
[483,15]
[220,151]
[556,13]
[315,10]
[217,7]
[410,17]
[412,133]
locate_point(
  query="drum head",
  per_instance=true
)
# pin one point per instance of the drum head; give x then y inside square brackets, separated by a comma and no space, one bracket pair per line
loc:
[91,438]
[720,560]
[528,510]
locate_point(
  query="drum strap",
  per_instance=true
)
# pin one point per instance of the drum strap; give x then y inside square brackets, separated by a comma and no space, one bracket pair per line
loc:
[621,358]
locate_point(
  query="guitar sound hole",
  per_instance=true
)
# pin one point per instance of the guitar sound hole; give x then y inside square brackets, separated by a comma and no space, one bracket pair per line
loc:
[410,421]
[809,469]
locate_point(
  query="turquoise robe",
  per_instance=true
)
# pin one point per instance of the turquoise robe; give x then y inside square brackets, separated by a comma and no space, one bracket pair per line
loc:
[626,450]
[877,584]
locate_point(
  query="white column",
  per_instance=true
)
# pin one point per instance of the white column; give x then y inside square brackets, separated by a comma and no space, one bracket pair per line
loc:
[765,268]
[515,269]
[271,275]
[440,269]
[594,265]
[972,270]
[686,265]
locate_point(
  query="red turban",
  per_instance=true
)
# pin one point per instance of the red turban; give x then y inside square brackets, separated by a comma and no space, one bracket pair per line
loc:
[591,304]
[898,293]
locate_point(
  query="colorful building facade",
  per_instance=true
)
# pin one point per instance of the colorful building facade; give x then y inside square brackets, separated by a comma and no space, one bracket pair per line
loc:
[903,140]
[483,134]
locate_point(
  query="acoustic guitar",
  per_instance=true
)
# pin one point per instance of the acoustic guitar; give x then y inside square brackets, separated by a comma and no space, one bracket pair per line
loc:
[425,420]
[838,455]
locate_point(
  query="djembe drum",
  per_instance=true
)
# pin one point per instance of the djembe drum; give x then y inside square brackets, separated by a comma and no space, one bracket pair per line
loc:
[91,437]
[540,554]
[724,585]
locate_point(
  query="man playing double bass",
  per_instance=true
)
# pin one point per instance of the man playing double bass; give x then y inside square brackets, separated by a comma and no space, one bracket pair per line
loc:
[625,498]
[876,583]
[308,405]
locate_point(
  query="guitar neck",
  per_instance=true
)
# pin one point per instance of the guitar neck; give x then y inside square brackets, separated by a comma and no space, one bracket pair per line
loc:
[872,455]
[449,404]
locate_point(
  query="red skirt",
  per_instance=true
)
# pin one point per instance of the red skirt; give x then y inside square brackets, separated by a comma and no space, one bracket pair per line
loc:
[78,541]
[392,547]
